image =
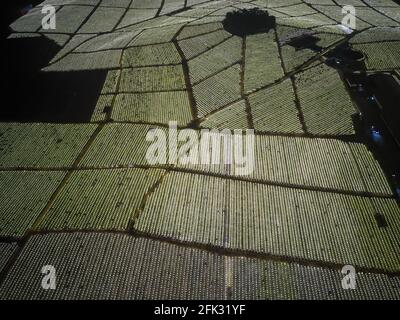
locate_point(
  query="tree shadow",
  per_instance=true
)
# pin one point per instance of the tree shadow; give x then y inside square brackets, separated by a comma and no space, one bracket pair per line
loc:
[32,95]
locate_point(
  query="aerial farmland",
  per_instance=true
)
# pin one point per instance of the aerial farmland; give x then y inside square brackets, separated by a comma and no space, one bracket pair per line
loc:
[79,194]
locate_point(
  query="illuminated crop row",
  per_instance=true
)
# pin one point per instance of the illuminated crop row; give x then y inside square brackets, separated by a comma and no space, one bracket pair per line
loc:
[160,107]
[100,199]
[158,54]
[262,65]
[274,109]
[325,103]
[217,91]
[134,268]
[215,59]
[196,45]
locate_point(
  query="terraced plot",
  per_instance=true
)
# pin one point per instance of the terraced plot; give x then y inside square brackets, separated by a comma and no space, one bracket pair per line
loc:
[152,79]
[100,199]
[217,91]
[214,60]
[382,55]
[261,49]
[274,109]
[194,46]
[158,107]
[86,199]
[231,117]
[42,145]
[134,263]
[24,195]
[255,279]
[325,103]
[159,54]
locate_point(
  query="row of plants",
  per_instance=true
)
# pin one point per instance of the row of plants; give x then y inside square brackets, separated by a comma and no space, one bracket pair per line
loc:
[42,145]
[99,199]
[24,195]
[274,109]
[309,225]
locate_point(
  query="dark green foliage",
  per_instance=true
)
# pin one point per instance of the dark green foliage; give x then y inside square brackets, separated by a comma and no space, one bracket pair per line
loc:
[248,21]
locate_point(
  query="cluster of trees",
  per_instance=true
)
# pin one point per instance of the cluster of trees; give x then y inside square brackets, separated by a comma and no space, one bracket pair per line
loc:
[248,21]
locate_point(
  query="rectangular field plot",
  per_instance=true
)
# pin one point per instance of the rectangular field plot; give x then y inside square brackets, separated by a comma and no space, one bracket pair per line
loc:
[313,225]
[326,105]
[114,40]
[319,163]
[24,196]
[152,79]
[160,107]
[158,54]
[232,117]
[70,18]
[381,55]
[137,15]
[196,213]
[87,61]
[102,20]
[193,31]
[6,252]
[274,109]
[196,45]
[260,280]
[117,145]
[217,91]
[42,145]
[213,60]
[140,269]
[100,199]
[159,34]
[262,65]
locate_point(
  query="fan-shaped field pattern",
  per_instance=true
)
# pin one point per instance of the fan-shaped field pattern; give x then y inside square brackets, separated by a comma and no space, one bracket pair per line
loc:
[262,63]
[158,54]
[274,220]
[216,59]
[100,199]
[24,196]
[83,273]
[159,107]
[274,109]
[217,91]
[325,103]
[42,145]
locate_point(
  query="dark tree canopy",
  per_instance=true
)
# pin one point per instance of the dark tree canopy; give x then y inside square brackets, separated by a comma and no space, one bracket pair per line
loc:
[248,21]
